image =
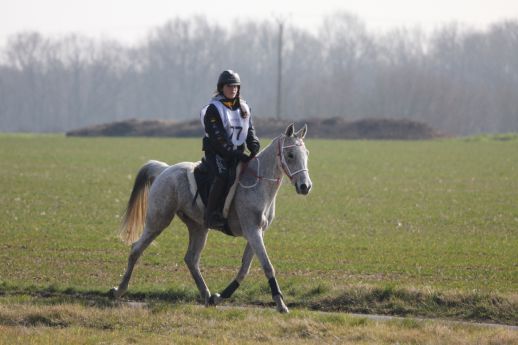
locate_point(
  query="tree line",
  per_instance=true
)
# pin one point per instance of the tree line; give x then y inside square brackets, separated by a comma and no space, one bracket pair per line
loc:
[457,79]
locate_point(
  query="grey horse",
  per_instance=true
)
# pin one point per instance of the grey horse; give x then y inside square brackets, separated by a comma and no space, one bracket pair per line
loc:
[161,191]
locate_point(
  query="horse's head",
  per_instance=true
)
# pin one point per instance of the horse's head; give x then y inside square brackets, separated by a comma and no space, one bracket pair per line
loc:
[294,158]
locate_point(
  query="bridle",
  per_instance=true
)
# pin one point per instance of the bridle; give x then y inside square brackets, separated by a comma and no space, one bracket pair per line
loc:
[281,161]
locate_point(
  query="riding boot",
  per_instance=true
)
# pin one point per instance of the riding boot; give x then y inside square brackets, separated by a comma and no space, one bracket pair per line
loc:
[213,214]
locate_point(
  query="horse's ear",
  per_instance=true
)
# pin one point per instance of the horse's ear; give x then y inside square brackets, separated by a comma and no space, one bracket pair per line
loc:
[302,132]
[290,130]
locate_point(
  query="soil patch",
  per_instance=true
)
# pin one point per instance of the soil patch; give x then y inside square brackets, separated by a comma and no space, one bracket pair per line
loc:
[330,128]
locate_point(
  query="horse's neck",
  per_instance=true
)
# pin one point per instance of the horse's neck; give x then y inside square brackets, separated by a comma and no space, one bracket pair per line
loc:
[269,166]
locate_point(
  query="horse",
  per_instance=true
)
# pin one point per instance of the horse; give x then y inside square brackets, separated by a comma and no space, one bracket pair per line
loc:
[162,191]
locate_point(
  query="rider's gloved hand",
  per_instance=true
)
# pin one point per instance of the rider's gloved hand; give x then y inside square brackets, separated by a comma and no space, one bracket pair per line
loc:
[253,148]
[244,157]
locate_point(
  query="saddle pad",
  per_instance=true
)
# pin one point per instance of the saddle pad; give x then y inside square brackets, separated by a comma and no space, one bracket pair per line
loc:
[199,184]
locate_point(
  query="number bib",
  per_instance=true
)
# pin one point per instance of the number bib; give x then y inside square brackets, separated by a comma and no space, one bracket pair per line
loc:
[235,125]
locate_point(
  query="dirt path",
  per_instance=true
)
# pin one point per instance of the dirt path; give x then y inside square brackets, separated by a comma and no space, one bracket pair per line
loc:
[372,317]
[476,324]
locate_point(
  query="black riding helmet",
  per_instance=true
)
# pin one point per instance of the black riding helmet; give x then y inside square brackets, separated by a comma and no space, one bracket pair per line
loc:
[228,77]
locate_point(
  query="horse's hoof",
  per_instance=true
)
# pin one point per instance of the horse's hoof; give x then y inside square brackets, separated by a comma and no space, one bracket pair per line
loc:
[283,310]
[281,306]
[114,293]
[214,300]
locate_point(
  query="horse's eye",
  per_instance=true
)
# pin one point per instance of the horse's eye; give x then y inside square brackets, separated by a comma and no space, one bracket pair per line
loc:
[290,155]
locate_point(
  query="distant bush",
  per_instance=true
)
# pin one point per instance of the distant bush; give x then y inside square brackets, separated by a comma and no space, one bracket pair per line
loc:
[331,128]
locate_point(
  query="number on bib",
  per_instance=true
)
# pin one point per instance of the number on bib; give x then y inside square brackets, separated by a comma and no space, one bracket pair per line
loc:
[236,130]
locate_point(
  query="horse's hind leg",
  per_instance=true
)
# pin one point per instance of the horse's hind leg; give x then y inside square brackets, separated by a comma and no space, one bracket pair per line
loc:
[137,249]
[197,240]
[246,262]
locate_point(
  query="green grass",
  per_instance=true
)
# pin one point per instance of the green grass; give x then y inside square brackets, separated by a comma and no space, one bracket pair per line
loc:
[73,324]
[407,228]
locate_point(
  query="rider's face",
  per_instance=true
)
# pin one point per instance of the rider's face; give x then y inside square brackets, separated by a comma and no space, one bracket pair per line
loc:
[230,91]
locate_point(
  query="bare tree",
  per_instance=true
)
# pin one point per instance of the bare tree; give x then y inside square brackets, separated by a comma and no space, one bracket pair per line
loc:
[457,79]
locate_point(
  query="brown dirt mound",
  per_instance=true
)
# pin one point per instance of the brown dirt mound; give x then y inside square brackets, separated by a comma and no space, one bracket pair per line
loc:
[331,128]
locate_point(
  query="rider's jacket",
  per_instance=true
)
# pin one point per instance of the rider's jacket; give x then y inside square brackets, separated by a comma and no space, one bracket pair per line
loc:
[228,127]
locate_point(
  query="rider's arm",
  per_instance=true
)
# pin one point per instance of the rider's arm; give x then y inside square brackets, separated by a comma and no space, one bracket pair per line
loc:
[252,142]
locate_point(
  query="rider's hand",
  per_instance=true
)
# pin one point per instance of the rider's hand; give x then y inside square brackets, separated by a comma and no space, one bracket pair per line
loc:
[253,153]
[243,157]
[253,148]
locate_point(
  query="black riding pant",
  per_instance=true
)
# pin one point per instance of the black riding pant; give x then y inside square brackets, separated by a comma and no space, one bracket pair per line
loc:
[221,168]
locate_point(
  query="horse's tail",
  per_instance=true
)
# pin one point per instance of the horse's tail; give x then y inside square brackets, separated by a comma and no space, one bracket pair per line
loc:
[135,215]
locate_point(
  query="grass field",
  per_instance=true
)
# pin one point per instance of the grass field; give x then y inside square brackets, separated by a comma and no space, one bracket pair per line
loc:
[424,229]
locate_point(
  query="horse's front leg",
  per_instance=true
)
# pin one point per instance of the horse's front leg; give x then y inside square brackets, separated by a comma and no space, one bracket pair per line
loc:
[246,262]
[256,242]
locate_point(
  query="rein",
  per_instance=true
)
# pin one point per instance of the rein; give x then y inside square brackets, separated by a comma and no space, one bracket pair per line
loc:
[282,162]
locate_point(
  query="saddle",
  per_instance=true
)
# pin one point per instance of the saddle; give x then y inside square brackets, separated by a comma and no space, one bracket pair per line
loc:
[203,180]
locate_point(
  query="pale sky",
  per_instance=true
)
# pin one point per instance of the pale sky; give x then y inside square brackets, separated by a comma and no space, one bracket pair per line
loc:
[129,21]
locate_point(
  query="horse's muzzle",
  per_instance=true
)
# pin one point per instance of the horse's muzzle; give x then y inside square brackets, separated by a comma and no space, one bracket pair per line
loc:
[302,188]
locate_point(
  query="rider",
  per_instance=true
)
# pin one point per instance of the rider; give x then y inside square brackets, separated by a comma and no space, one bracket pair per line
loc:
[228,126]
